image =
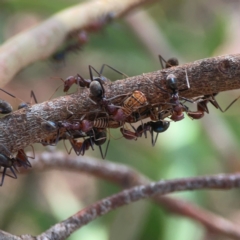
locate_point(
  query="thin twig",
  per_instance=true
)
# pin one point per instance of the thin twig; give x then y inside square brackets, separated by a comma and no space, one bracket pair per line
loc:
[127,177]
[81,218]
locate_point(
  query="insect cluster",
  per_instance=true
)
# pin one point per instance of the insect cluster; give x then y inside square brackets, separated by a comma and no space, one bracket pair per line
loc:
[92,128]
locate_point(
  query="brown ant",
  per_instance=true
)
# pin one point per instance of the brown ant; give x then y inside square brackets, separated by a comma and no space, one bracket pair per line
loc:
[82,82]
[80,147]
[177,107]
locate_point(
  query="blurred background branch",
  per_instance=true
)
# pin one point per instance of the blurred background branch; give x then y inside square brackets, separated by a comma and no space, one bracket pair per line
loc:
[39,42]
[128,177]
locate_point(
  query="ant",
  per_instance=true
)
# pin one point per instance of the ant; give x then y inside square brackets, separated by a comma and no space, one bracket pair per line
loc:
[96,136]
[55,133]
[177,107]
[80,147]
[99,138]
[96,130]
[7,162]
[5,107]
[82,82]
[77,39]
[157,127]
[98,92]
[21,160]
[86,125]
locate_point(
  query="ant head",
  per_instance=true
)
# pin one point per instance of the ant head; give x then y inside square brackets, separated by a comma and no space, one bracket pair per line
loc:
[96,89]
[172,82]
[68,83]
[23,105]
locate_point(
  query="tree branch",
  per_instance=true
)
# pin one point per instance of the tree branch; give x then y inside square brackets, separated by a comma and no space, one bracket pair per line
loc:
[206,77]
[68,226]
[127,177]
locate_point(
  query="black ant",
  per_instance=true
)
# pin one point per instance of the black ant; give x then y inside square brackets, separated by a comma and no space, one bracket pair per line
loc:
[98,92]
[5,107]
[177,107]
[201,102]
[7,162]
[94,129]
[157,127]
[171,62]
[21,160]
[99,138]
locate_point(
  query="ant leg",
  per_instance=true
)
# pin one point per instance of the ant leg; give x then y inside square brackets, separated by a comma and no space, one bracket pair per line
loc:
[14,174]
[154,140]
[7,93]
[161,60]
[91,68]
[68,151]
[121,73]
[33,96]
[215,103]
[100,148]
[32,157]
[3,176]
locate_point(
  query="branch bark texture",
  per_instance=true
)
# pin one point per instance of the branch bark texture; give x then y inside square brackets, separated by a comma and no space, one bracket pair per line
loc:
[213,75]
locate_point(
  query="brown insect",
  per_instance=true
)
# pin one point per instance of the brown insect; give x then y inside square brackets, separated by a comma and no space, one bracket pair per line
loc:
[131,104]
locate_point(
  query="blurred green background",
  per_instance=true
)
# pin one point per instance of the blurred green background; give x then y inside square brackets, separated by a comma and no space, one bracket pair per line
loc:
[189,30]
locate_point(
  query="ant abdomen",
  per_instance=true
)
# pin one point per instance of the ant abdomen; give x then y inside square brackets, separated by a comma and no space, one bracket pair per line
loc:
[160,126]
[5,107]
[96,89]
